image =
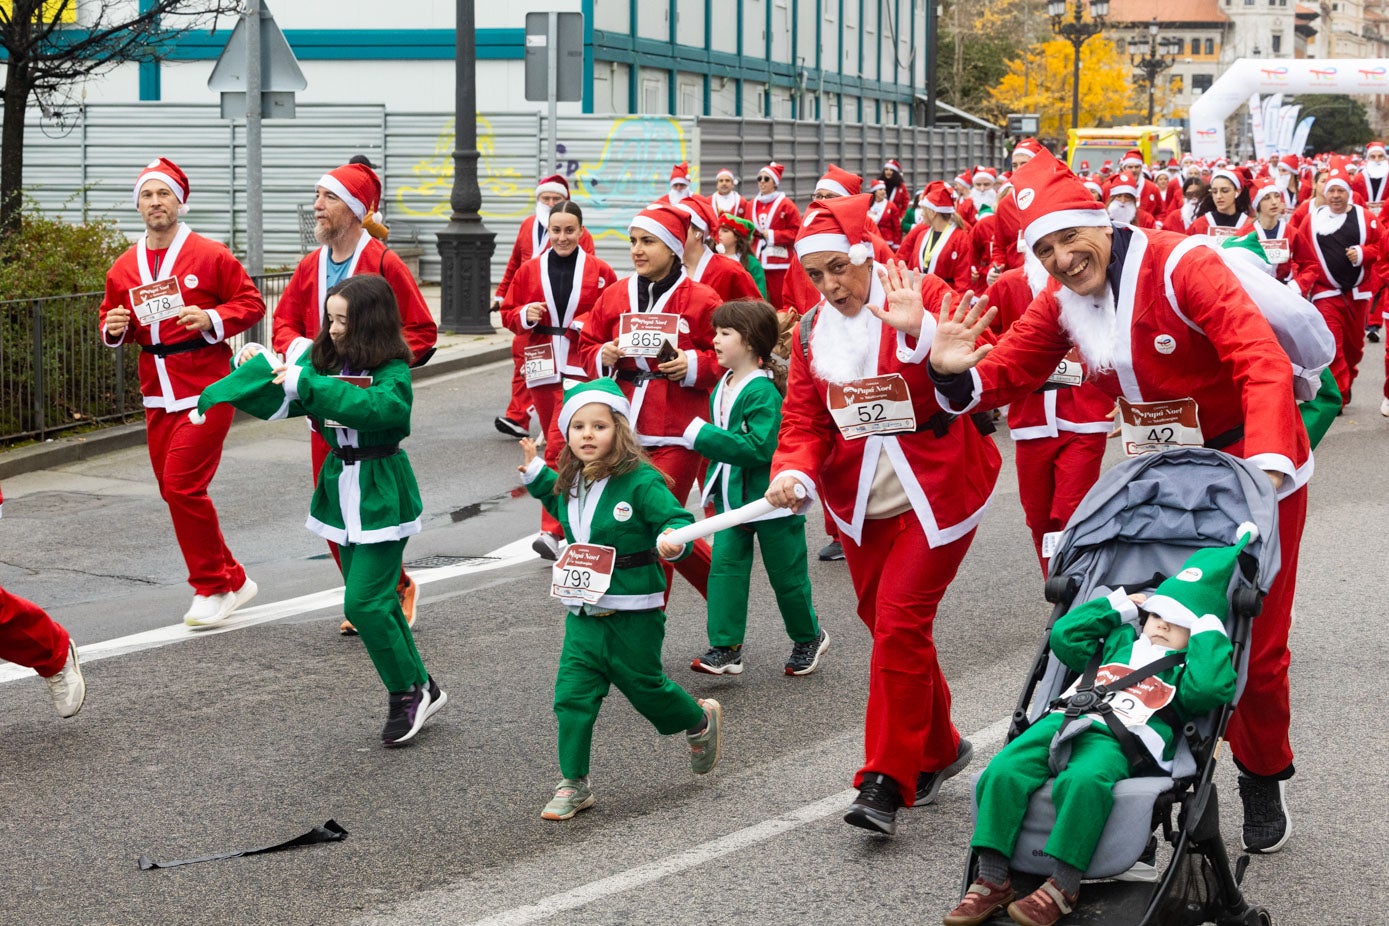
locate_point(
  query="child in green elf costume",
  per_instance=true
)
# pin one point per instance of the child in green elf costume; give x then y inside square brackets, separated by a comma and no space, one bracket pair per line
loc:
[614,506]
[1183,645]
[745,413]
[353,380]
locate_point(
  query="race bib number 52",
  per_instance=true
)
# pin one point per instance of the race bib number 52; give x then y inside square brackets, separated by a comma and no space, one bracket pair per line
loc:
[583,573]
[876,405]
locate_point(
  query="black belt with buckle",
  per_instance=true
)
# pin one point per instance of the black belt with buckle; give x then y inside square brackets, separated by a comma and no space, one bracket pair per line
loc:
[634,560]
[638,376]
[351,455]
[182,347]
[551,330]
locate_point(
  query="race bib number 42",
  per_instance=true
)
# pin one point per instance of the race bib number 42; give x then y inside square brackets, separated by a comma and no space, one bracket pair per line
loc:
[1152,427]
[153,302]
[582,574]
[876,405]
[641,334]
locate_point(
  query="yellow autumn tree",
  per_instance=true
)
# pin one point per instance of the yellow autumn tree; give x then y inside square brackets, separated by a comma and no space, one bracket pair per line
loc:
[1040,82]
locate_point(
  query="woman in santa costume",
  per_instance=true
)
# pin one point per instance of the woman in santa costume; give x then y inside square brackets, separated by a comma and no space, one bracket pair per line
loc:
[1273,225]
[669,385]
[704,264]
[898,193]
[940,245]
[1226,205]
[905,482]
[30,638]
[1158,318]
[776,219]
[1372,181]
[546,305]
[180,296]
[532,238]
[885,215]
[1334,254]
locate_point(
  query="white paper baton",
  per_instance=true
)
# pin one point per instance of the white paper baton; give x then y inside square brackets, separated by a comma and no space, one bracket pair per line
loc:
[719,522]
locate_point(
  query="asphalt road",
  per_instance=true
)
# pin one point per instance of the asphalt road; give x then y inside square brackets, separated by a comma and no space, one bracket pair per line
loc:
[251,736]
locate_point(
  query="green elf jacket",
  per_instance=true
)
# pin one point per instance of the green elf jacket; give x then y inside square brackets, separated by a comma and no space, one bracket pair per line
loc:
[627,513]
[1202,683]
[739,442]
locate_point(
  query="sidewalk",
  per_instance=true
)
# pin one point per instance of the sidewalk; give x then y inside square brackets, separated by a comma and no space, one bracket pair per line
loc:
[455,352]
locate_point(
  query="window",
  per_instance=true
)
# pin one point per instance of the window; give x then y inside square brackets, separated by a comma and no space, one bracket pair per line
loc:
[1277,44]
[1210,46]
[1200,83]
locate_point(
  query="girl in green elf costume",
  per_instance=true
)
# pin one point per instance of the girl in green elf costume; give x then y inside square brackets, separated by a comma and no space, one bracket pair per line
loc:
[354,381]
[614,506]
[745,413]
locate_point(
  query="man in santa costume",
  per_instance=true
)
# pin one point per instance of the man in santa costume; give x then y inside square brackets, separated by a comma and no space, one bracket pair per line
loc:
[776,219]
[726,199]
[180,296]
[1334,253]
[679,184]
[1123,202]
[906,483]
[1158,318]
[722,274]
[347,224]
[532,238]
[30,638]
[964,205]
[1148,193]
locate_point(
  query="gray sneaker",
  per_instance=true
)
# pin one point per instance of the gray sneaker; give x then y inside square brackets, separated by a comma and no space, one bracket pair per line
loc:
[67,687]
[705,745]
[571,796]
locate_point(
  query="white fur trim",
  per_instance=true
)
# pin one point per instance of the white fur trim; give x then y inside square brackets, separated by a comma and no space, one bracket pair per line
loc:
[533,469]
[1066,218]
[814,244]
[292,382]
[662,233]
[1209,622]
[1120,601]
[1170,610]
[552,188]
[834,186]
[179,192]
[859,254]
[335,186]
[618,404]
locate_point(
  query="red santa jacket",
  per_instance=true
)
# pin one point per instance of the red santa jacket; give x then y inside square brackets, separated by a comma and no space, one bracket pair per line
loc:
[1082,409]
[725,276]
[889,222]
[968,211]
[661,409]
[778,220]
[952,260]
[734,204]
[1285,230]
[1202,224]
[532,284]
[1310,270]
[1367,190]
[525,248]
[1186,329]
[299,313]
[1007,248]
[210,278]
[948,479]
[1150,198]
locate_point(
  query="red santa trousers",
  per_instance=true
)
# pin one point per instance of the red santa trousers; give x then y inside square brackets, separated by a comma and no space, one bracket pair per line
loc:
[318,452]
[1258,731]
[776,284]
[682,469]
[29,637]
[899,581]
[548,401]
[1346,319]
[185,458]
[519,408]
[1054,473]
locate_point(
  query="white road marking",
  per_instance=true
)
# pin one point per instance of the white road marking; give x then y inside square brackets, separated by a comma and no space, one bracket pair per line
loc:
[512,554]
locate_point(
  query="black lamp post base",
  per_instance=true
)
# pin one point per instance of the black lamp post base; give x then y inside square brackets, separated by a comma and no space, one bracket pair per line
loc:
[465,252]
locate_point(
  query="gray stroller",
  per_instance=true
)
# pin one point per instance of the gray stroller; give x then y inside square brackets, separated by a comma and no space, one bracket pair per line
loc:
[1136,527]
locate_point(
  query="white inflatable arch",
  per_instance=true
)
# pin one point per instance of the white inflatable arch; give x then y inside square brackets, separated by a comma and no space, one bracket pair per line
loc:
[1247,76]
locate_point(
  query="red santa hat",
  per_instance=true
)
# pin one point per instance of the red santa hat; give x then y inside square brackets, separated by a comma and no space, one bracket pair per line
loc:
[356,185]
[1374,146]
[170,175]
[1132,158]
[840,224]
[725,172]
[1085,167]
[1095,188]
[891,164]
[1028,146]
[680,173]
[939,198]
[669,224]
[878,185]
[981,169]
[1289,161]
[1051,198]
[555,183]
[701,210]
[1264,186]
[1107,167]
[1339,173]
[1230,175]
[1172,164]
[773,170]
[965,179]
[840,182]
[1122,182]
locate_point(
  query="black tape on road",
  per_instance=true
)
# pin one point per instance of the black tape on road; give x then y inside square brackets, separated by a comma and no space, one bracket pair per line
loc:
[328,832]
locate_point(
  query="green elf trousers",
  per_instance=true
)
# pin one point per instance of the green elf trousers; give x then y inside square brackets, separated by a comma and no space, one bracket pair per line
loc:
[784,556]
[1082,793]
[622,649]
[371,571]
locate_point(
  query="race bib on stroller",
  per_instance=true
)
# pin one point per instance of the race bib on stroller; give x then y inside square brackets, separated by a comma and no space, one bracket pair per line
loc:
[875,405]
[582,574]
[1152,427]
[1135,705]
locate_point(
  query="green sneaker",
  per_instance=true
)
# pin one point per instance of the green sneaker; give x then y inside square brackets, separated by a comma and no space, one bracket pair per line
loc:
[571,796]
[704,746]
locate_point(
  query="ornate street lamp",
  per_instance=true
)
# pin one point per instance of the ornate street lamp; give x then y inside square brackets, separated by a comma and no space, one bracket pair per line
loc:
[1152,56]
[1076,32]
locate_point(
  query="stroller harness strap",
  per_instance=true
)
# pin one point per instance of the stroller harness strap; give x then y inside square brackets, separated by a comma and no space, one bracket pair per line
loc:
[1093,699]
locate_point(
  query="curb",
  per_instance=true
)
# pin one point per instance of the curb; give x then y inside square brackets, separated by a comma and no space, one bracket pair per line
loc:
[66,450]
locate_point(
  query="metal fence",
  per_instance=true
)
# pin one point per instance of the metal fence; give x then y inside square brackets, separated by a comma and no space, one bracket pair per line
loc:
[56,375]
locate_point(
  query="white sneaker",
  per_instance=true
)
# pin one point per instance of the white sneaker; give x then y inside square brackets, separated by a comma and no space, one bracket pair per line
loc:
[67,687]
[245,593]
[1384,407]
[208,610]
[547,545]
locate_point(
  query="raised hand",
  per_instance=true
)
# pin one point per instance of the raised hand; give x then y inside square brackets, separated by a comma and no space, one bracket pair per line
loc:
[528,451]
[959,329]
[902,287]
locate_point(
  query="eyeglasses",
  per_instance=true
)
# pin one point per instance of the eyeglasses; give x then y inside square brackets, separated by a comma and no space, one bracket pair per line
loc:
[823,194]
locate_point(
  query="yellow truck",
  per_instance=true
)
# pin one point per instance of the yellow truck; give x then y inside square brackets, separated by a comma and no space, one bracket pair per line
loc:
[1159,144]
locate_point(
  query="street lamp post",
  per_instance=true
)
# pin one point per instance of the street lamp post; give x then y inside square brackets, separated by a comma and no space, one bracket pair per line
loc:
[1076,32]
[1152,56]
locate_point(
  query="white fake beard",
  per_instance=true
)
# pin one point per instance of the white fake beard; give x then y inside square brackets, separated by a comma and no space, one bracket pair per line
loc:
[1037,276]
[984,198]
[677,194]
[1377,170]
[542,214]
[766,197]
[1326,222]
[1123,212]
[1282,180]
[1092,325]
[1189,211]
[842,348]
[724,202]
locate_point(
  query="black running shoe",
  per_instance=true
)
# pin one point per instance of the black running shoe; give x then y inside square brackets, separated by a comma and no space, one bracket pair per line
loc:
[407,713]
[875,808]
[1372,334]
[928,783]
[437,698]
[834,550]
[511,428]
[805,657]
[720,660]
[1267,825]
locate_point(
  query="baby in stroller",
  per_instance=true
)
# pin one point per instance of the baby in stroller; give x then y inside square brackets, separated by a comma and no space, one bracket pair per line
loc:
[1148,664]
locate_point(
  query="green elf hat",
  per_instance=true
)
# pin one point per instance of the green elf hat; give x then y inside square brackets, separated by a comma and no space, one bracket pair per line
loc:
[604,391]
[1250,248]
[250,386]
[1201,587]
